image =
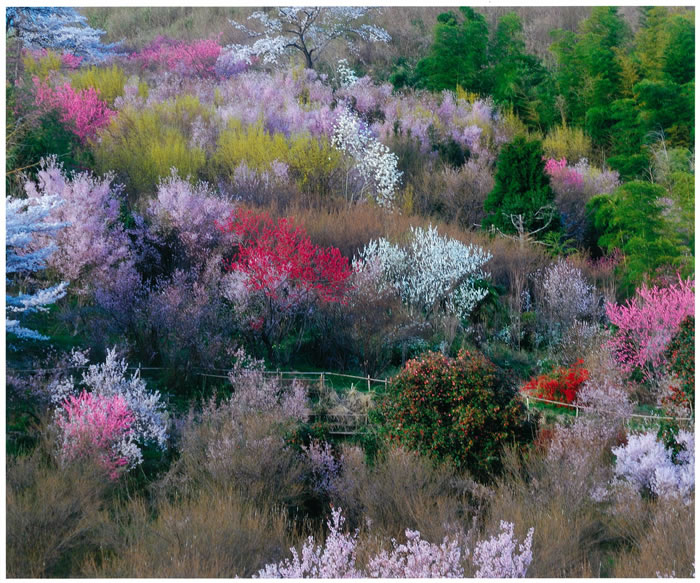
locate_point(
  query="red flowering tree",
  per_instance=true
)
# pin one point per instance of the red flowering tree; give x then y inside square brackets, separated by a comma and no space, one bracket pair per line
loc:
[562,384]
[282,271]
[457,409]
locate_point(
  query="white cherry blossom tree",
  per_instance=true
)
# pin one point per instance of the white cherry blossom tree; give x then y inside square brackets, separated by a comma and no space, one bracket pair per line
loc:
[306,29]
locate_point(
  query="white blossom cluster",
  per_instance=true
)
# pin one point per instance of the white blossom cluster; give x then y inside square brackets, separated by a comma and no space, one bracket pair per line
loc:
[24,219]
[431,272]
[566,294]
[497,558]
[376,165]
[647,464]
[109,379]
[59,28]
[345,75]
[308,29]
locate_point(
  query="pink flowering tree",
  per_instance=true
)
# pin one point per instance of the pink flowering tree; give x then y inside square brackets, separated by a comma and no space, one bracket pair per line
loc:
[94,250]
[82,111]
[501,557]
[196,59]
[97,427]
[645,325]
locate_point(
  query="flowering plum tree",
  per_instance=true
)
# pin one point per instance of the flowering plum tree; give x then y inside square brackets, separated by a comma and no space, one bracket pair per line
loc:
[433,273]
[56,28]
[148,417]
[23,219]
[82,111]
[646,324]
[373,161]
[307,29]
[98,426]
[197,58]
[94,244]
[646,463]
[497,557]
[278,262]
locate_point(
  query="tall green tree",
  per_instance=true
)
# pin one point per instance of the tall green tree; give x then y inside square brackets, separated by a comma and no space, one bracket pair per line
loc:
[458,54]
[632,220]
[521,190]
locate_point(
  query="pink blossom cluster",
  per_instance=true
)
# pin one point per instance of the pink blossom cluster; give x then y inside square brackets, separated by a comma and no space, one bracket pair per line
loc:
[645,325]
[94,248]
[197,58]
[96,426]
[562,176]
[498,557]
[83,111]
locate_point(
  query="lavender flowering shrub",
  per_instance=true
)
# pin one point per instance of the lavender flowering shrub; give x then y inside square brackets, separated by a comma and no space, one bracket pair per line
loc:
[501,556]
[647,464]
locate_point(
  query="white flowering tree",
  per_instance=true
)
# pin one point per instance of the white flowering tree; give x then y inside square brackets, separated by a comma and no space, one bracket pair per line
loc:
[306,29]
[431,273]
[24,219]
[56,28]
[374,164]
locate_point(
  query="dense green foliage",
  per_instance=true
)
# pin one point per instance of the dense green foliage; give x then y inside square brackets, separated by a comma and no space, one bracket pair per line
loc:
[632,220]
[681,363]
[453,408]
[521,189]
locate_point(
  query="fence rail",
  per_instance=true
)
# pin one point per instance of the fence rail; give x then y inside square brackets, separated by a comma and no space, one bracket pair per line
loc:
[529,398]
[322,375]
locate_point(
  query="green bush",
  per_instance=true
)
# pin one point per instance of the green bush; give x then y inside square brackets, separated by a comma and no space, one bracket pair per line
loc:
[108,81]
[456,409]
[522,188]
[142,146]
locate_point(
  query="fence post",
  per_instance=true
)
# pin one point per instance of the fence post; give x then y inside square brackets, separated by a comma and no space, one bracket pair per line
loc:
[369,388]
[577,411]
[323,382]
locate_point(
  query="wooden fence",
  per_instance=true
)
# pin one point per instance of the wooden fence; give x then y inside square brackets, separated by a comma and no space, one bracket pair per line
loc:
[349,424]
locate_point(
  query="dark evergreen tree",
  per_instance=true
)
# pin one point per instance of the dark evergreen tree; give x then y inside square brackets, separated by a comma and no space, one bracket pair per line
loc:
[521,189]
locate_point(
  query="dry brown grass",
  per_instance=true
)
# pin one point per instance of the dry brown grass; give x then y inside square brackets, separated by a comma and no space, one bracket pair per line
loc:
[218,533]
[662,538]
[55,516]
[571,530]
[405,490]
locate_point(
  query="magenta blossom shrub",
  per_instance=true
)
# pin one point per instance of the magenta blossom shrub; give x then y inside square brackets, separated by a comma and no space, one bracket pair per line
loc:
[197,58]
[94,426]
[82,111]
[646,324]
